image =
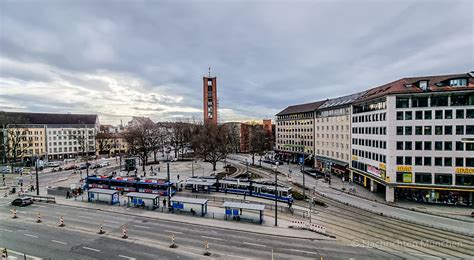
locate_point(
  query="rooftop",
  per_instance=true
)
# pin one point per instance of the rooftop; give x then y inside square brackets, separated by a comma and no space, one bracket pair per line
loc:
[189,200]
[48,118]
[238,205]
[308,107]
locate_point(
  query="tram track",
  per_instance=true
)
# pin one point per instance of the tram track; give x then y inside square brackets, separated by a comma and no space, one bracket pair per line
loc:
[408,234]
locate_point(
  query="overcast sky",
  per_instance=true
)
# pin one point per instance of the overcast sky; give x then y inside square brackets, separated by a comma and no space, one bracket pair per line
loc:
[147,58]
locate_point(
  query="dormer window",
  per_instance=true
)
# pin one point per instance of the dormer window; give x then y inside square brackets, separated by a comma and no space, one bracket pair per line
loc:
[424,85]
[408,85]
[458,82]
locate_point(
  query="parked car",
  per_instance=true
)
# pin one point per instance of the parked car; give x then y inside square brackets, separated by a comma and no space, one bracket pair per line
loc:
[5,169]
[104,164]
[96,166]
[18,169]
[52,164]
[69,167]
[23,201]
[83,166]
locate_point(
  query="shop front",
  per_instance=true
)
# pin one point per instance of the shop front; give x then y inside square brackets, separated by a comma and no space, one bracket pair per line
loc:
[435,195]
[335,167]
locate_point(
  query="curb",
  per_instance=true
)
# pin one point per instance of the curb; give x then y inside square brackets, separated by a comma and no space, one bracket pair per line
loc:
[405,208]
[190,223]
[398,218]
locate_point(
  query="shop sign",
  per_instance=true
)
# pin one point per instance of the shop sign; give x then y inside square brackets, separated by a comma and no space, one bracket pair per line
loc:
[382,166]
[355,158]
[402,168]
[373,170]
[465,170]
[407,177]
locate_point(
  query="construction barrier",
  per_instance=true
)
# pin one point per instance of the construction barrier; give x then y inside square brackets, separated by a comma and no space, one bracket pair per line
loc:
[61,221]
[206,248]
[39,218]
[297,224]
[124,232]
[317,228]
[14,213]
[173,242]
[101,230]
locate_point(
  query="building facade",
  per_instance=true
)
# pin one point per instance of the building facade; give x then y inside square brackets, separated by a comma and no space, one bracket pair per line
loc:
[332,138]
[413,139]
[294,133]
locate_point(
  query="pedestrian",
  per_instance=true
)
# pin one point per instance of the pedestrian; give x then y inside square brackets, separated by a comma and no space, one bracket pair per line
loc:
[136,170]
[151,168]
[158,168]
[144,174]
[164,202]
[68,195]
[178,176]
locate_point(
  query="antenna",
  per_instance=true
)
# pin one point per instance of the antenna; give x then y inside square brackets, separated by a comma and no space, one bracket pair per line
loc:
[209,72]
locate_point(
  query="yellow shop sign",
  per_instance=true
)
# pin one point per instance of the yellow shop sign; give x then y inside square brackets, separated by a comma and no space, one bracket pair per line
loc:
[402,168]
[382,166]
[465,170]
[355,158]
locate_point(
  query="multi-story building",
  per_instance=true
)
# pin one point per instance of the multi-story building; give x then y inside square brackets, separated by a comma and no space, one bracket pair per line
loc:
[414,139]
[110,141]
[332,138]
[295,132]
[58,136]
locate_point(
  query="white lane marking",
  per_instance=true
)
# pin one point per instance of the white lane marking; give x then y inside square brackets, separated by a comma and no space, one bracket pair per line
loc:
[176,232]
[141,227]
[59,242]
[254,244]
[84,217]
[127,257]
[302,251]
[60,213]
[215,238]
[6,230]
[91,249]
[41,206]
[29,235]
[113,222]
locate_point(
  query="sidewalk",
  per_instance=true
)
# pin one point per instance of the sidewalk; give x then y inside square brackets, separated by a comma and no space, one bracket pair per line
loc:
[458,213]
[266,228]
[377,207]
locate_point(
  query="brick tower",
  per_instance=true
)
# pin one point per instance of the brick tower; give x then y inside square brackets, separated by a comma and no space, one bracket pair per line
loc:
[209,87]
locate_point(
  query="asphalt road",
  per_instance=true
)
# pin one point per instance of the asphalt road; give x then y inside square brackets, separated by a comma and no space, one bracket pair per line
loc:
[150,238]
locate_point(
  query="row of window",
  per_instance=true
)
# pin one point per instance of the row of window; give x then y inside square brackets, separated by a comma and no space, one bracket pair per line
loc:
[333,136]
[440,178]
[305,122]
[333,127]
[381,130]
[295,130]
[427,130]
[379,105]
[71,149]
[333,145]
[370,143]
[295,136]
[435,101]
[438,146]
[438,161]
[439,114]
[69,132]
[370,118]
[370,155]
[333,154]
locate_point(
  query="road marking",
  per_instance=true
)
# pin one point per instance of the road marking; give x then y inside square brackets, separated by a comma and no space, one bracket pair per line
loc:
[215,238]
[141,227]
[302,251]
[60,213]
[91,249]
[59,242]
[1,229]
[176,232]
[41,206]
[254,244]
[29,235]
[109,221]
[84,217]
[124,256]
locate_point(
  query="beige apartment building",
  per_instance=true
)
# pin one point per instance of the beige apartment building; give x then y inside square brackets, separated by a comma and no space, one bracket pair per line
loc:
[332,138]
[295,132]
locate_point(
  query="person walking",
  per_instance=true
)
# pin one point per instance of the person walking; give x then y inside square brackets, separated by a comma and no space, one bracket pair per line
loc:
[68,195]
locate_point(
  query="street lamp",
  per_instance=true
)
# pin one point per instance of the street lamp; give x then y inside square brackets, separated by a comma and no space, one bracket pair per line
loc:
[168,177]
[276,194]
[37,180]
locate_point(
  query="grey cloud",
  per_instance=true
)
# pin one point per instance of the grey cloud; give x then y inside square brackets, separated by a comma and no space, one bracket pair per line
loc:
[266,55]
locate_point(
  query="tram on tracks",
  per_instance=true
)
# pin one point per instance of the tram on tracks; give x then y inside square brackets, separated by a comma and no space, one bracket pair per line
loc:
[129,184]
[243,187]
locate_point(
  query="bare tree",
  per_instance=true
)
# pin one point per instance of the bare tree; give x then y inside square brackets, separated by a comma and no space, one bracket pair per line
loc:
[211,143]
[15,141]
[234,137]
[180,136]
[260,141]
[158,138]
[138,139]
[104,139]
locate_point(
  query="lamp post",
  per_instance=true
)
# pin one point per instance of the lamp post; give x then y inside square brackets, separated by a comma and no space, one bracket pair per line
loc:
[276,194]
[37,180]
[168,177]
[192,168]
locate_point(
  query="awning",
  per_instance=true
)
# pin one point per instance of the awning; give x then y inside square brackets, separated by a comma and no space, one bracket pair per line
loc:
[330,160]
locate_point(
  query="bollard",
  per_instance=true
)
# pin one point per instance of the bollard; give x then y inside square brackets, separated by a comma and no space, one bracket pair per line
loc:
[173,242]
[124,231]
[101,230]
[14,213]
[206,248]
[61,222]
[39,218]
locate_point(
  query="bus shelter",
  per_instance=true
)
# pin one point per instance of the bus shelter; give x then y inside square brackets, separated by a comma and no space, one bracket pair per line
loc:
[103,195]
[189,205]
[235,209]
[200,185]
[146,200]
